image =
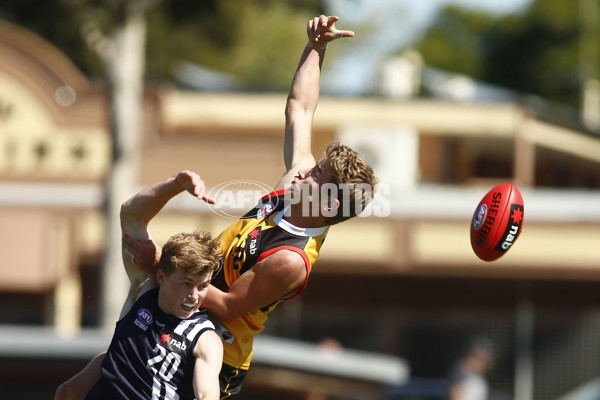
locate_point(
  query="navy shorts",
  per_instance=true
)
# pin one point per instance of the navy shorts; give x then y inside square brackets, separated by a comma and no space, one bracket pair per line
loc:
[230,381]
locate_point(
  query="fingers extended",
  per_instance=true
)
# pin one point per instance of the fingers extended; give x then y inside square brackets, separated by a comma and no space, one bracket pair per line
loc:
[342,33]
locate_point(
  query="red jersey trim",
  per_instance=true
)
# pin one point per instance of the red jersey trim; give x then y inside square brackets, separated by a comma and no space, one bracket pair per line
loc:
[274,193]
[306,264]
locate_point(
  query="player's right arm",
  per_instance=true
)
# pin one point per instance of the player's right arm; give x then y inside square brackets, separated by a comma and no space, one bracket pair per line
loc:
[303,97]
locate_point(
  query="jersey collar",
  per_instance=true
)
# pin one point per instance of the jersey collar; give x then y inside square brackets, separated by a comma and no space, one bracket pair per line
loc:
[295,230]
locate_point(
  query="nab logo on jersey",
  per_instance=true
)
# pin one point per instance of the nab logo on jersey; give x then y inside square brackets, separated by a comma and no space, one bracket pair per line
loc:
[254,240]
[167,339]
[178,344]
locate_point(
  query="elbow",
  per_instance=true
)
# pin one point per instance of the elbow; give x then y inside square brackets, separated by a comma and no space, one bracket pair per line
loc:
[221,306]
[64,392]
[288,112]
[61,393]
[124,211]
[124,216]
[294,108]
[223,315]
[222,311]
[204,395]
[207,395]
[131,217]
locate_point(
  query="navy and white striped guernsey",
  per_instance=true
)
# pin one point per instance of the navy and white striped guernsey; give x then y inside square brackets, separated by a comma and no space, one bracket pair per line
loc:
[151,354]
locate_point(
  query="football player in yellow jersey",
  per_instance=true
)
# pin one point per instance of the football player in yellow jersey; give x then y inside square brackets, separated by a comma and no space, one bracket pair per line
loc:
[256,276]
[242,300]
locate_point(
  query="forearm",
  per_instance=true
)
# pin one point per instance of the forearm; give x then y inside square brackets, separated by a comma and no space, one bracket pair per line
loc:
[149,201]
[225,306]
[304,92]
[301,103]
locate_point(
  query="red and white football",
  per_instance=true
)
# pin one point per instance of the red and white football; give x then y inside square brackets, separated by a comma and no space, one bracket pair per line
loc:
[497,222]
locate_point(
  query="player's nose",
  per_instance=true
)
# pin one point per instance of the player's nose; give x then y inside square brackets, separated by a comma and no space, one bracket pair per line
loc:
[303,173]
[194,293]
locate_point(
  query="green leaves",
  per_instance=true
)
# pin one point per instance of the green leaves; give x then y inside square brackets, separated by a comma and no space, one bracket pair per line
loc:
[536,52]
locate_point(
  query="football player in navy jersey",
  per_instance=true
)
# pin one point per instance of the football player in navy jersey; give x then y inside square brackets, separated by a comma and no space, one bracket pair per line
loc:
[164,346]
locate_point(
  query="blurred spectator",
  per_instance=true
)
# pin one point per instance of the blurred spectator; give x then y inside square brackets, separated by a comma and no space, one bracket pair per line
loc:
[467,377]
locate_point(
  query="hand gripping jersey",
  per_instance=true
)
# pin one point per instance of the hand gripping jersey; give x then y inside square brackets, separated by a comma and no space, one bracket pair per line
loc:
[258,234]
[151,354]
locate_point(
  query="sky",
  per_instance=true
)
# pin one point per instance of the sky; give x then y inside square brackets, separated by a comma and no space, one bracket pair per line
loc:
[399,23]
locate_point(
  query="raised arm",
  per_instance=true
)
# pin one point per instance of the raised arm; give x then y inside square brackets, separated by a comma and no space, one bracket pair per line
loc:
[138,211]
[304,95]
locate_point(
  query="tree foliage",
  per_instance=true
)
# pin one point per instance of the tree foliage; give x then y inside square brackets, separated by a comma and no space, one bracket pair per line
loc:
[258,41]
[535,52]
[458,40]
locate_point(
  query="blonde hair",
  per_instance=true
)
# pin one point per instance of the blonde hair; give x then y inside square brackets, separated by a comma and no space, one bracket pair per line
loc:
[196,254]
[355,179]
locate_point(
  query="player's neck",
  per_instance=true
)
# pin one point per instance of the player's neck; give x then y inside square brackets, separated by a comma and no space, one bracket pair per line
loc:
[296,218]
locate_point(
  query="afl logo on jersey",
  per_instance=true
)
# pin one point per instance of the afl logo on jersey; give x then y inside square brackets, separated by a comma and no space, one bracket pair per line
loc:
[145,316]
[266,210]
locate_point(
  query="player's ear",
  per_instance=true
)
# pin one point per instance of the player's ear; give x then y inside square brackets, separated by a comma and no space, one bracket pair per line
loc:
[330,206]
[160,276]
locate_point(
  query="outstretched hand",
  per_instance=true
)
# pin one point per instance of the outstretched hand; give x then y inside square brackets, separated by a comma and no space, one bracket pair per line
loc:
[192,182]
[322,30]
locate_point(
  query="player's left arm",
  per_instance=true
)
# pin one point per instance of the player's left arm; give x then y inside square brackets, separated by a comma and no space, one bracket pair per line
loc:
[136,214]
[277,275]
[79,385]
[209,358]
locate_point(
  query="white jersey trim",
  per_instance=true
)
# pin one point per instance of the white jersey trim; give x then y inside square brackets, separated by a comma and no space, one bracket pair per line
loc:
[295,230]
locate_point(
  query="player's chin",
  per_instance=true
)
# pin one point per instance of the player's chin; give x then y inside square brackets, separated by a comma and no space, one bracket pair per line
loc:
[188,309]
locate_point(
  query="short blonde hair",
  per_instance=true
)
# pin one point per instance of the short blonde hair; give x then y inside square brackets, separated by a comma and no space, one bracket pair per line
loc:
[196,254]
[355,179]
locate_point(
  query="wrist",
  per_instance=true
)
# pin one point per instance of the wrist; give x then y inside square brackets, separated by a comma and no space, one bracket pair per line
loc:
[179,185]
[317,45]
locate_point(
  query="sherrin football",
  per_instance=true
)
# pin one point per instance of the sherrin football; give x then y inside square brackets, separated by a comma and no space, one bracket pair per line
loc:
[497,222]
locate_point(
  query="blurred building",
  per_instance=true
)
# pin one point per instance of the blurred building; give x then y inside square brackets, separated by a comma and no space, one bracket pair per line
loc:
[409,286]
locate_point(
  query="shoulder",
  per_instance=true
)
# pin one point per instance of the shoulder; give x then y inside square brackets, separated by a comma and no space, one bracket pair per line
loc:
[143,287]
[208,344]
[148,295]
[284,269]
[284,259]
